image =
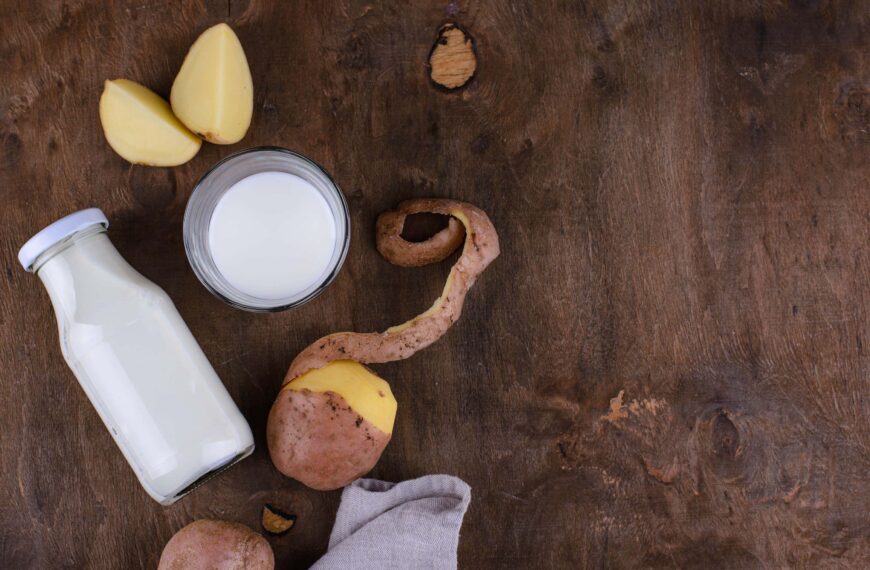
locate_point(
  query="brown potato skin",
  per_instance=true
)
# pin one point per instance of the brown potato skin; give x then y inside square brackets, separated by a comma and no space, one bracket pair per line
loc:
[216,545]
[481,247]
[319,440]
[403,253]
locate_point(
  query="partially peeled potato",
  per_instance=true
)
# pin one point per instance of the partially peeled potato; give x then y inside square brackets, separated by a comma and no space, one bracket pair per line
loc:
[330,425]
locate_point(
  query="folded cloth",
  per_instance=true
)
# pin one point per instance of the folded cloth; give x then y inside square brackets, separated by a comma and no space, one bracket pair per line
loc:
[408,525]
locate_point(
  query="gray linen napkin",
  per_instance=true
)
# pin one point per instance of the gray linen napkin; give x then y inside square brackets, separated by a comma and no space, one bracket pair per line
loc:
[408,525]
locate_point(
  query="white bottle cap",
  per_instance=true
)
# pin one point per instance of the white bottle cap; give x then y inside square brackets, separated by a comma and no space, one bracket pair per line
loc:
[59,230]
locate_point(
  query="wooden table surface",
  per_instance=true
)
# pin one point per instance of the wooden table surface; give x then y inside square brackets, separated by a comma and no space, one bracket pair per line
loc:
[666,367]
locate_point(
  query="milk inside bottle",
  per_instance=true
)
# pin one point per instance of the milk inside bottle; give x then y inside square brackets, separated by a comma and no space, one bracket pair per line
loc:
[136,360]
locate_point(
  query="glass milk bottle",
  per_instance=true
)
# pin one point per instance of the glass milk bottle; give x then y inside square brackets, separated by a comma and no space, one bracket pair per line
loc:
[136,360]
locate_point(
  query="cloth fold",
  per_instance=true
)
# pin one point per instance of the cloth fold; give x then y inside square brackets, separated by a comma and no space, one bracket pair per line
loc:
[408,525]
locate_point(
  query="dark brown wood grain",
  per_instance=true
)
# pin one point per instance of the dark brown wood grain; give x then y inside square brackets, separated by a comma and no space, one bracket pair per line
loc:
[667,365]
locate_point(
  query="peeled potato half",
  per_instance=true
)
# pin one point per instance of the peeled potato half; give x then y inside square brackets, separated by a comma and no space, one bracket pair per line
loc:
[140,126]
[213,94]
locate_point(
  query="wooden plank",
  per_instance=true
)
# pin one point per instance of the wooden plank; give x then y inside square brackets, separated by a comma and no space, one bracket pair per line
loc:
[665,368]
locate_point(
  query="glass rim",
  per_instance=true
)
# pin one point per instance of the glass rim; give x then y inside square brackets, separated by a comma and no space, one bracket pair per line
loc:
[263,305]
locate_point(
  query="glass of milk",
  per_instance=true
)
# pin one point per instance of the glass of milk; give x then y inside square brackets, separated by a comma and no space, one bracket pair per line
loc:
[136,360]
[266,229]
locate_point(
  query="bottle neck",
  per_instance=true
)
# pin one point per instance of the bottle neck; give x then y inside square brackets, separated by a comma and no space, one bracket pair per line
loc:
[84,272]
[65,244]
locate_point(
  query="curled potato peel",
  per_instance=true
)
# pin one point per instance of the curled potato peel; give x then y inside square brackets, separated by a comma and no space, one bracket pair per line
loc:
[401,341]
[399,251]
[328,431]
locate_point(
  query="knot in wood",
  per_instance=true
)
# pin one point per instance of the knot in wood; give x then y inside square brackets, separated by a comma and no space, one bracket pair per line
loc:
[452,61]
[725,437]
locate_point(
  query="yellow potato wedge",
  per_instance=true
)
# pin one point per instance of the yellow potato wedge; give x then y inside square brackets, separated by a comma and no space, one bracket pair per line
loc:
[139,126]
[213,94]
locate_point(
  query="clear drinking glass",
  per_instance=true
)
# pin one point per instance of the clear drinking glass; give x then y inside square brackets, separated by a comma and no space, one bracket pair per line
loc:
[217,181]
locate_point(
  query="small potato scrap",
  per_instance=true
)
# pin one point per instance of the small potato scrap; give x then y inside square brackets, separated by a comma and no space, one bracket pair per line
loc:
[216,545]
[328,432]
[275,521]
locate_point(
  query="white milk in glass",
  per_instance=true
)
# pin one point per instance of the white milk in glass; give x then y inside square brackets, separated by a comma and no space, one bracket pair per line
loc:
[140,366]
[272,235]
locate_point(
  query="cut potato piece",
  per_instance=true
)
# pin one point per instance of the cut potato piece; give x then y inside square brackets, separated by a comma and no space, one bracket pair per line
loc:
[213,93]
[140,126]
[275,521]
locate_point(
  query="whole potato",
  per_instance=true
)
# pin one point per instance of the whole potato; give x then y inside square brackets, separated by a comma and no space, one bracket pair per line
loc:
[216,545]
